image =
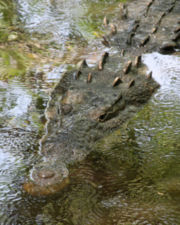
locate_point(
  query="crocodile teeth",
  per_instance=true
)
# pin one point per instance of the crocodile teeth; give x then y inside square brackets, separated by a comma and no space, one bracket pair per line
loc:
[129,39]
[116,81]
[127,69]
[170,9]
[123,10]
[149,3]
[160,19]
[154,30]
[163,14]
[137,60]
[135,27]
[149,76]
[77,74]
[105,55]
[89,78]
[177,30]
[125,13]
[145,41]
[122,5]
[113,29]
[148,6]
[131,83]
[105,41]
[100,65]
[82,64]
[176,37]
[122,52]
[103,60]
[105,21]
[167,47]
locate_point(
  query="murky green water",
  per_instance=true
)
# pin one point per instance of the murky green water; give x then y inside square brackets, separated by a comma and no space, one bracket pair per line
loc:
[132,176]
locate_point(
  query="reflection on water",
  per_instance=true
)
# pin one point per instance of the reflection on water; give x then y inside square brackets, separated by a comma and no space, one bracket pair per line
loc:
[64,20]
[69,30]
[165,71]
[54,17]
[18,105]
[15,99]
[20,124]
[16,148]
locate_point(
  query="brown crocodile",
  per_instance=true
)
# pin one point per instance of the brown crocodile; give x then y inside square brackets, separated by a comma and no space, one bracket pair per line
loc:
[87,104]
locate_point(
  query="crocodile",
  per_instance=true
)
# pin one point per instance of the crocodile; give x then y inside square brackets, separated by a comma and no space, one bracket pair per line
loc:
[89,103]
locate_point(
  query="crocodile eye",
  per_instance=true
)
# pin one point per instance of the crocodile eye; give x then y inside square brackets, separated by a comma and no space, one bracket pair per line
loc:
[97,114]
[102,117]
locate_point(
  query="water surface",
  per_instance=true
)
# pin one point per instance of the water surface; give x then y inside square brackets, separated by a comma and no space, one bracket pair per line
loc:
[132,176]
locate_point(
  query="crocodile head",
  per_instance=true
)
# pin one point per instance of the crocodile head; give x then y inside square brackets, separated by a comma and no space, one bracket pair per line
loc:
[87,104]
[80,112]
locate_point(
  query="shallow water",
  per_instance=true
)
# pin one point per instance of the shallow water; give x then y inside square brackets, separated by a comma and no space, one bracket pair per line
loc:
[65,20]
[131,177]
[73,29]
[20,128]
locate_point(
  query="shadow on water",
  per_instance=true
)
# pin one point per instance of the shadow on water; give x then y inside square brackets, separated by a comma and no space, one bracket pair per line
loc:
[132,176]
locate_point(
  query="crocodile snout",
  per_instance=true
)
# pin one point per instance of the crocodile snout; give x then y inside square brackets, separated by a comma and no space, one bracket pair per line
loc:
[47,179]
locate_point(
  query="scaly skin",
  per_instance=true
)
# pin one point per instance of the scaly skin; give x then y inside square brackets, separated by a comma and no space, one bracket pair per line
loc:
[87,104]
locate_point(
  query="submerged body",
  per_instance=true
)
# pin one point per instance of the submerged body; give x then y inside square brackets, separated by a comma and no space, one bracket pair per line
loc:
[88,104]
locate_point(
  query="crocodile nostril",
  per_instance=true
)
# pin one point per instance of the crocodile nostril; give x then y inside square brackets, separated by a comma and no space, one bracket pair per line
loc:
[46,174]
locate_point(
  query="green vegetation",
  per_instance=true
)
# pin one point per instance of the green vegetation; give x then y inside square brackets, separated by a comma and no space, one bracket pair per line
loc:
[7,13]
[91,24]
[12,63]
[7,20]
